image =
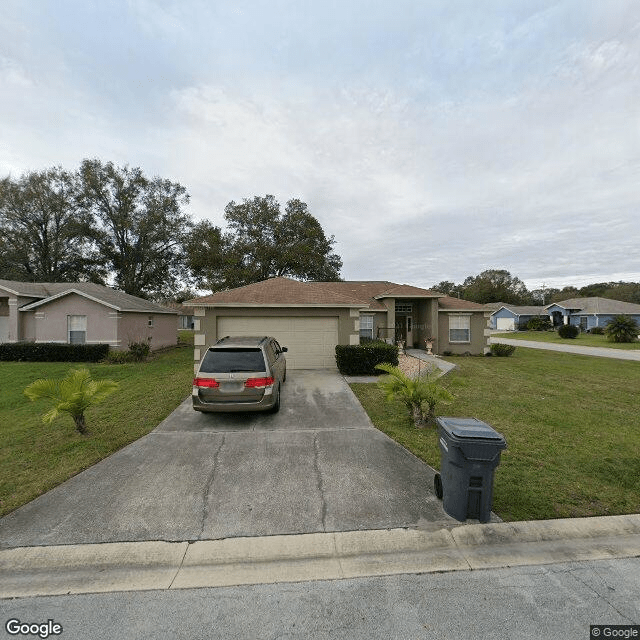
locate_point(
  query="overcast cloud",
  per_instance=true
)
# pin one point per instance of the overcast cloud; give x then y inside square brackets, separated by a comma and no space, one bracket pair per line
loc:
[432,139]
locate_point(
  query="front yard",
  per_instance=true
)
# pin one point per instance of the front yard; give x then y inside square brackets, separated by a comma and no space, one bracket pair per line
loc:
[35,457]
[584,339]
[571,425]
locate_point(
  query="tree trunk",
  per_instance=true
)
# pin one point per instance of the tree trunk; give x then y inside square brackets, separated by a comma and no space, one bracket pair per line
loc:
[418,417]
[81,425]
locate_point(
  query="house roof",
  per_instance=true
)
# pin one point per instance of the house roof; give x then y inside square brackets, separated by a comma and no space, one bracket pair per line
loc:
[447,303]
[598,306]
[277,292]
[365,294]
[521,310]
[46,292]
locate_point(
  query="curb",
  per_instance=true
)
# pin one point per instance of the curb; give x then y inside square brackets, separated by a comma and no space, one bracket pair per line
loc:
[153,565]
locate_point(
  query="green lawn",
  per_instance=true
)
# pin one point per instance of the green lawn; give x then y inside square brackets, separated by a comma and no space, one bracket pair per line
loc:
[571,424]
[35,457]
[584,339]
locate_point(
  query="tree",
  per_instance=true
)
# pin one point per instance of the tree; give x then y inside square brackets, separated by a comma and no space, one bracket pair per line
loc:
[447,287]
[495,285]
[261,242]
[45,235]
[74,394]
[417,394]
[141,226]
[622,328]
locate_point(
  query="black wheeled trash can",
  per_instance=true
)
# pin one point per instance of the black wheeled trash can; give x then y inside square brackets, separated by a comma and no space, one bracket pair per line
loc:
[470,452]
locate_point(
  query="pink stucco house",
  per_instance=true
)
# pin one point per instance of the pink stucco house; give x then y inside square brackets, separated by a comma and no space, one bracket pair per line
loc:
[81,312]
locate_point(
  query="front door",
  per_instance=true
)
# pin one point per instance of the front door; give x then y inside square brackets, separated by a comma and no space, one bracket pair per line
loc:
[401,329]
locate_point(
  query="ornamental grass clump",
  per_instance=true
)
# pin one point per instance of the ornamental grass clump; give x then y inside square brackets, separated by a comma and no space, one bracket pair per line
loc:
[73,395]
[420,395]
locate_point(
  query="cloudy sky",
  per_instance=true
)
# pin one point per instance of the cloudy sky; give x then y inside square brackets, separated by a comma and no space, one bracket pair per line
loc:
[432,139]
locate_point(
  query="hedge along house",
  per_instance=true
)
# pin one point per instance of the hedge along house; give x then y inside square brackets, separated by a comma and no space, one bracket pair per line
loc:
[311,318]
[81,312]
[588,313]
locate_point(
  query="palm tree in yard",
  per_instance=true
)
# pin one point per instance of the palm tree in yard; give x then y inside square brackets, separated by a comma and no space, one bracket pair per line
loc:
[73,395]
[622,329]
[420,395]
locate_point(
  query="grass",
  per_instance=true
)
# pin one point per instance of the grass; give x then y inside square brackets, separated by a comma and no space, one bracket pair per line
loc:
[583,339]
[570,422]
[35,457]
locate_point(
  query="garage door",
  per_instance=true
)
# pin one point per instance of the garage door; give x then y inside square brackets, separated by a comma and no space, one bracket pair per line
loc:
[506,324]
[311,341]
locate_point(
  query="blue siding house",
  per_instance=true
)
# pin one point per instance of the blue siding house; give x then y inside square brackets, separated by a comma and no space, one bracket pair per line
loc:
[588,313]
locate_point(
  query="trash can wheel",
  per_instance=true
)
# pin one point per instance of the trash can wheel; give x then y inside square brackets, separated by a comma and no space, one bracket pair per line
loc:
[437,486]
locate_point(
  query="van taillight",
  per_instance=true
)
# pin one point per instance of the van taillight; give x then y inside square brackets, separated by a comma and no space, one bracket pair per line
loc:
[205,382]
[257,383]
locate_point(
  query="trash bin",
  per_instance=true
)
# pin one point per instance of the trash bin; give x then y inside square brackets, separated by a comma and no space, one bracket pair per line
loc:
[470,452]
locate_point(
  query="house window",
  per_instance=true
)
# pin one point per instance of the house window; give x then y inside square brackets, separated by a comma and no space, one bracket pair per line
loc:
[459,328]
[76,329]
[404,307]
[366,327]
[583,323]
[150,321]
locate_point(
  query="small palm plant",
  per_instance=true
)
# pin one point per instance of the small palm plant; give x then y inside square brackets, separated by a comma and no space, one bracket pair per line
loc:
[417,394]
[73,395]
[622,329]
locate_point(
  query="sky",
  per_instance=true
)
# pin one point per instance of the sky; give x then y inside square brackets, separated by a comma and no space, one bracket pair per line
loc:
[433,140]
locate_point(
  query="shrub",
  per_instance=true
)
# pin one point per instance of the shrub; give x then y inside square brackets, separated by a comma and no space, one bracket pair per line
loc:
[502,350]
[539,323]
[138,351]
[361,359]
[568,331]
[622,329]
[597,331]
[52,352]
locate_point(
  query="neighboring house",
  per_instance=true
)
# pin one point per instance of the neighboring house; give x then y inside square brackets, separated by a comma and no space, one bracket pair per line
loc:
[509,317]
[81,312]
[185,314]
[311,318]
[588,313]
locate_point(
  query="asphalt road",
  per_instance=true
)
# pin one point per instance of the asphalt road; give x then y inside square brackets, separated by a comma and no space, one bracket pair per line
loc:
[554,602]
[318,465]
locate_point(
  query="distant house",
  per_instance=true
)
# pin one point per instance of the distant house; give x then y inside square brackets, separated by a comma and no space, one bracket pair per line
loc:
[81,312]
[509,317]
[588,313]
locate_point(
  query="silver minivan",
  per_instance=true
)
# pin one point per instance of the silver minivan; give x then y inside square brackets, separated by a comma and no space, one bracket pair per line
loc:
[240,374]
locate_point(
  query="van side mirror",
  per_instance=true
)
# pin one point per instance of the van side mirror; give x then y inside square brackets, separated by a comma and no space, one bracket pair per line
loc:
[283,349]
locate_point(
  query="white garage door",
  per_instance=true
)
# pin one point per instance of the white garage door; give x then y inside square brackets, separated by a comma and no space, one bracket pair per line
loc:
[311,341]
[506,324]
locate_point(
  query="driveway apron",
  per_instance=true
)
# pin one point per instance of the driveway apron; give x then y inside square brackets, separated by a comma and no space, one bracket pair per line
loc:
[317,465]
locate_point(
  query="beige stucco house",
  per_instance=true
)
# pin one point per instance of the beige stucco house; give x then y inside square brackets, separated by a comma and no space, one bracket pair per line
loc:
[311,318]
[81,312]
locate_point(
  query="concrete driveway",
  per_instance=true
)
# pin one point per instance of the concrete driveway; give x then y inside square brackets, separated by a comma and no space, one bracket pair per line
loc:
[318,465]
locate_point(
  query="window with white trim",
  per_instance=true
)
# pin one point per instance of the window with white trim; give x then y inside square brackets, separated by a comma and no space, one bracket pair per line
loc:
[150,321]
[459,328]
[404,307]
[366,327]
[76,329]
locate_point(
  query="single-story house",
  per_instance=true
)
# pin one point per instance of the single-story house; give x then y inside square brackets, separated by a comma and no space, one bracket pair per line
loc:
[81,312]
[588,313]
[311,318]
[509,317]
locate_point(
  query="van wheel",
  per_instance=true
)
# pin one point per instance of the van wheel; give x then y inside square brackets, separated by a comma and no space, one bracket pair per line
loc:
[276,406]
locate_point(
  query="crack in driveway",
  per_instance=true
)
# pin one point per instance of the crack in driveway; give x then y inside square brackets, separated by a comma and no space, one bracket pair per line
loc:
[207,488]
[320,482]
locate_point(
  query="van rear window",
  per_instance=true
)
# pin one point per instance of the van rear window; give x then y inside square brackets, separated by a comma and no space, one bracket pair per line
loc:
[229,360]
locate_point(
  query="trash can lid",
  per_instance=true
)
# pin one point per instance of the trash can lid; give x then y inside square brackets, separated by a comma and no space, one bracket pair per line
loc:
[469,428]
